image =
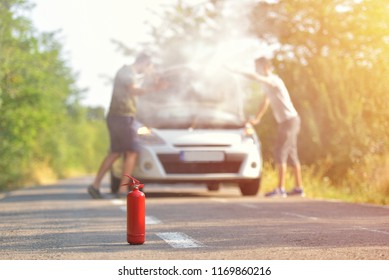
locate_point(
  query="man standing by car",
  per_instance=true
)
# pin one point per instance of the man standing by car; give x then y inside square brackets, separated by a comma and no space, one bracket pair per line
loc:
[120,118]
[277,96]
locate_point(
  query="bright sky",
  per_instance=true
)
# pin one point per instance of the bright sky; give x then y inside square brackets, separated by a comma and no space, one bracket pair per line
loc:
[86,29]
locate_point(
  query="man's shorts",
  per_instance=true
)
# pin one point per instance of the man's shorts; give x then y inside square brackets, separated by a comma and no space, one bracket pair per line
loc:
[122,134]
[286,145]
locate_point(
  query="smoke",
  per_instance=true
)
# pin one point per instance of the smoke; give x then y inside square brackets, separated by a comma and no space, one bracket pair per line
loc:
[231,42]
[204,78]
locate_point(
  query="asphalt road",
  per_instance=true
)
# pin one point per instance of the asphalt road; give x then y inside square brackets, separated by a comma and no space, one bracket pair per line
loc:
[187,222]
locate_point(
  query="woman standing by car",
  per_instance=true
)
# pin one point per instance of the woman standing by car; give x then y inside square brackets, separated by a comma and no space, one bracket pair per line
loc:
[277,96]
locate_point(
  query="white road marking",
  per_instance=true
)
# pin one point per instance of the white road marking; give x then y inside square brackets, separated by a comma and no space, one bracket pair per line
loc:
[300,216]
[118,202]
[179,240]
[150,220]
[222,200]
[373,230]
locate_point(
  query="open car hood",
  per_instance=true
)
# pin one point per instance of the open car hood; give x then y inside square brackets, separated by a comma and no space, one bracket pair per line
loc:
[193,99]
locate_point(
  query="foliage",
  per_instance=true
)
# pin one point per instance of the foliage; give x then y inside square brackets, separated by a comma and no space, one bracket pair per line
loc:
[41,124]
[305,29]
[333,57]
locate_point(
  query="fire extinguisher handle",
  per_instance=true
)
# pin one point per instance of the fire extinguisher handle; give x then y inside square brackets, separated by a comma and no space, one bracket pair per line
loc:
[133,182]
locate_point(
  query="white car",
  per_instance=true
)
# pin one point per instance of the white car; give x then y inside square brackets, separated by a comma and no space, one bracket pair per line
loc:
[194,131]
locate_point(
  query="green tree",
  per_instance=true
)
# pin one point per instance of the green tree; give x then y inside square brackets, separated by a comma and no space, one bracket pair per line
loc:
[42,125]
[23,90]
[306,29]
[333,56]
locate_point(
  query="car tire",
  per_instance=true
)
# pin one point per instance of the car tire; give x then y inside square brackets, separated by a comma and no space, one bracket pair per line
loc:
[213,187]
[115,184]
[250,188]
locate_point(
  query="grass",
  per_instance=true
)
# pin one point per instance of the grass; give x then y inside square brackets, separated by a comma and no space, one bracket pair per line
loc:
[350,189]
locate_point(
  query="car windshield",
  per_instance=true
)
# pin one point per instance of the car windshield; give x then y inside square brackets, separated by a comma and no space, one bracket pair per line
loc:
[192,99]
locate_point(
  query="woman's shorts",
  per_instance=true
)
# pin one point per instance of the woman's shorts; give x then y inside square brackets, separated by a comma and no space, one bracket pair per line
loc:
[286,145]
[122,134]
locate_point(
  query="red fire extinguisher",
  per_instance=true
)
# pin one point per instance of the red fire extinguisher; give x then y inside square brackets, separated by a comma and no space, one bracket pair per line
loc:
[136,218]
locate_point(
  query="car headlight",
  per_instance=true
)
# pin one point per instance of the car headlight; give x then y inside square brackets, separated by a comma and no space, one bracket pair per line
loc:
[248,135]
[148,137]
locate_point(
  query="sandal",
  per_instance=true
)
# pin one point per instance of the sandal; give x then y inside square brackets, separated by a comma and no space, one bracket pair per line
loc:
[94,193]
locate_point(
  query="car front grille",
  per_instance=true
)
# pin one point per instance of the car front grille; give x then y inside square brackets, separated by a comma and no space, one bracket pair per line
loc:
[173,165]
[202,145]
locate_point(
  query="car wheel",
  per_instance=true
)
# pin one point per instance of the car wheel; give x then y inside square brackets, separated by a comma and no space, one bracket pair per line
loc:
[213,187]
[250,188]
[115,183]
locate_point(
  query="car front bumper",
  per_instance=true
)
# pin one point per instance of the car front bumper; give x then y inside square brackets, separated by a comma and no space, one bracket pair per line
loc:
[165,164]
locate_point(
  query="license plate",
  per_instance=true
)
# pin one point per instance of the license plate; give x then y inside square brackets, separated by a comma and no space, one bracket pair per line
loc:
[202,156]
